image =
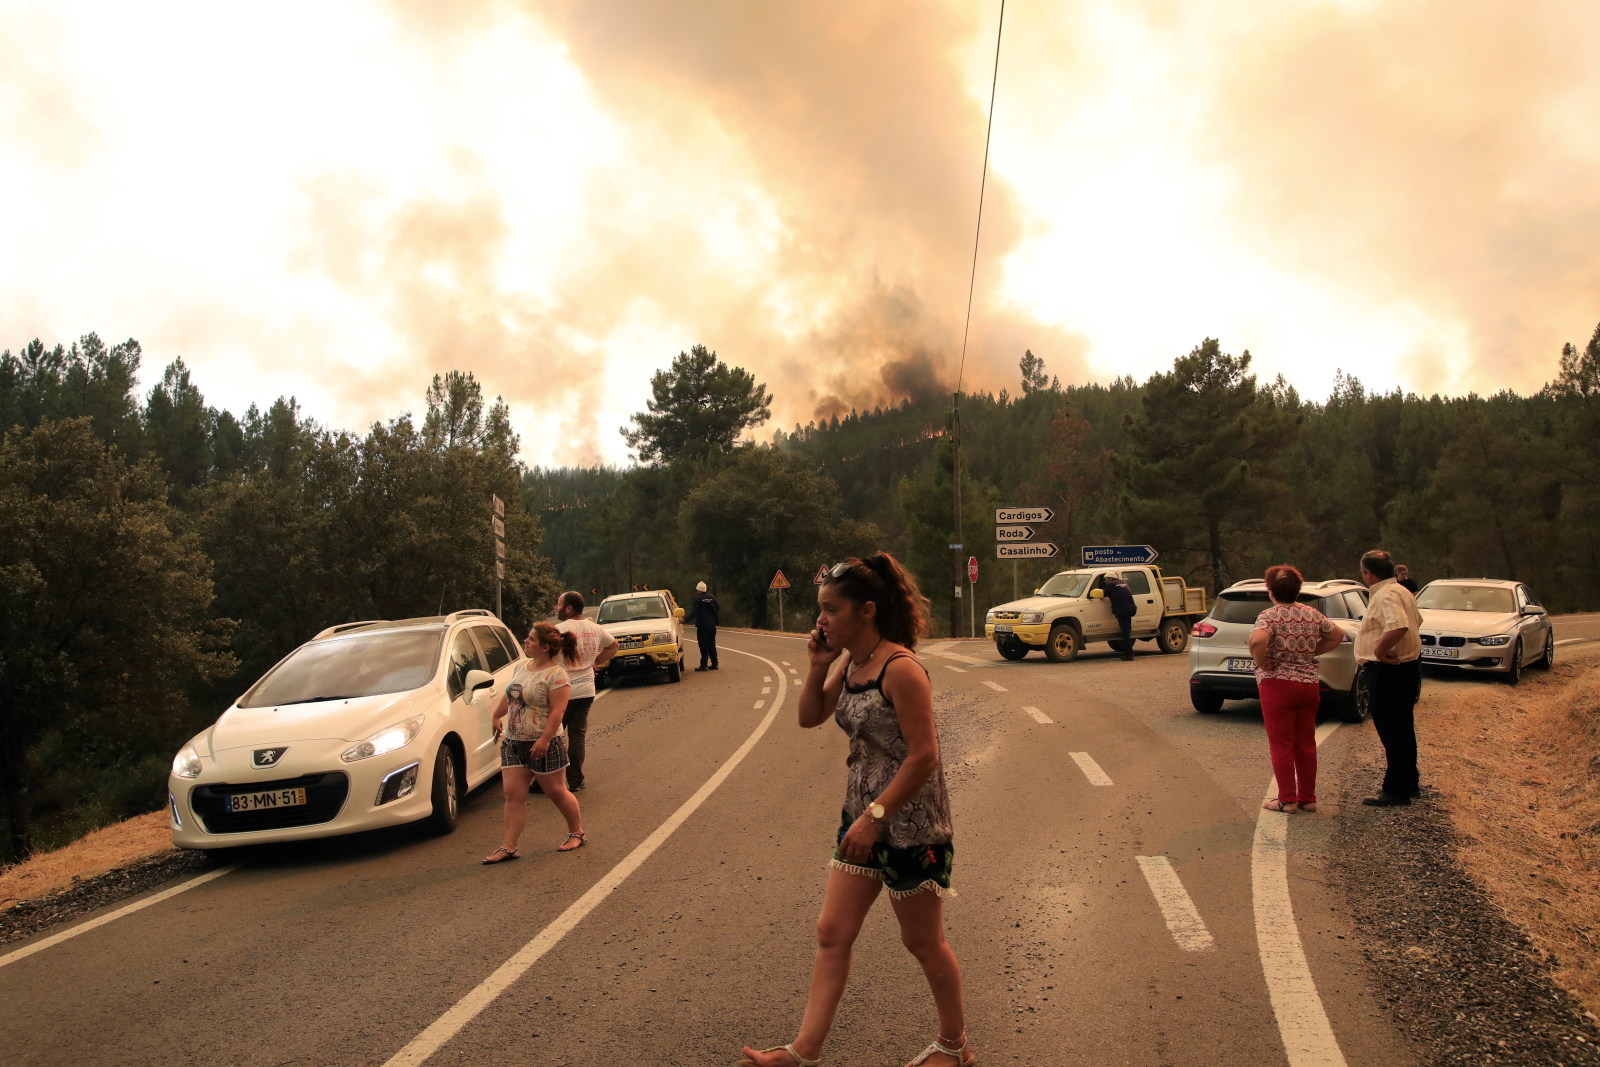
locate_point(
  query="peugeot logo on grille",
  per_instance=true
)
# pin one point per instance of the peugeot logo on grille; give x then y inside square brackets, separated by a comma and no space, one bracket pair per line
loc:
[267,757]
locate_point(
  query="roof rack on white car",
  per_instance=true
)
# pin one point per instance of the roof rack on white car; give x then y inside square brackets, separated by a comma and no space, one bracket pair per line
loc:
[465,612]
[345,626]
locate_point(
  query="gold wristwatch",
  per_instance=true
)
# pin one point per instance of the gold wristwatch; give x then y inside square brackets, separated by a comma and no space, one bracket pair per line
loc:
[875,811]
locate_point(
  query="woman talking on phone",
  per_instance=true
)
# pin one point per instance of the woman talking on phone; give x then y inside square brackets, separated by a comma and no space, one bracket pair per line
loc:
[895,828]
[533,743]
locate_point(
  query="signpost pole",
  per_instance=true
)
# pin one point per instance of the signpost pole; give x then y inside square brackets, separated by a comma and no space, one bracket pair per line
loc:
[498,529]
[780,612]
[1013,579]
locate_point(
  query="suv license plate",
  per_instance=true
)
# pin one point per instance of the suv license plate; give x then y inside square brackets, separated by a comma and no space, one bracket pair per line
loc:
[1240,664]
[1002,628]
[1434,652]
[277,798]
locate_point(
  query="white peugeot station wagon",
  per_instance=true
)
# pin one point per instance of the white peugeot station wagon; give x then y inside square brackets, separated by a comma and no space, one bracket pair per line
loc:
[368,724]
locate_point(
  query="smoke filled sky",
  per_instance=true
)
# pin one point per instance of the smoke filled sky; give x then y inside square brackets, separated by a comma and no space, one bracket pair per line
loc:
[338,199]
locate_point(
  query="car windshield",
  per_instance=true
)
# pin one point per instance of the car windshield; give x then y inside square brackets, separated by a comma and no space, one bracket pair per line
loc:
[1494,599]
[1245,607]
[1068,585]
[644,607]
[361,666]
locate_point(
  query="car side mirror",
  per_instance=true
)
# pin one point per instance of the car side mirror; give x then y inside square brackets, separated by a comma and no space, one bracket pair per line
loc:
[1036,592]
[1531,610]
[677,613]
[1097,594]
[477,680]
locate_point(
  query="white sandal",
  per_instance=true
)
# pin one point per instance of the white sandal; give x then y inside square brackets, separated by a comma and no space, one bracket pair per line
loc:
[939,1046]
[800,1061]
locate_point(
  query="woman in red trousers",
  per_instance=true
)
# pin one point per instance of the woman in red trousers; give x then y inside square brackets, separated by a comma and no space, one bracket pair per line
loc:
[1287,639]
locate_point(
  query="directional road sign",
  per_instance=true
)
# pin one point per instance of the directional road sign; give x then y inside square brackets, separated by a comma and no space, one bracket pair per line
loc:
[1013,534]
[499,506]
[1117,555]
[499,549]
[1005,515]
[500,569]
[822,575]
[499,528]
[1035,551]
[779,581]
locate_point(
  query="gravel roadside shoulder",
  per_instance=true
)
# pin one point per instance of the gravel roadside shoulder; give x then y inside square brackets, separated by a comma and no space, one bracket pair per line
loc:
[29,917]
[1463,983]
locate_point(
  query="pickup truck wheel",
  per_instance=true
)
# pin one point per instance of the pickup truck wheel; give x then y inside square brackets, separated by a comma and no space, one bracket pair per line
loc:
[1173,637]
[675,672]
[1064,644]
[1357,704]
[1205,701]
[1011,650]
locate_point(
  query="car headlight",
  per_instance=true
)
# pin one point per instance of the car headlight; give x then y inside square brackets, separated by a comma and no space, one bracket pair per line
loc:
[1031,617]
[1498,640]
[388,739]
[186,764]
[988,618]
[661,639]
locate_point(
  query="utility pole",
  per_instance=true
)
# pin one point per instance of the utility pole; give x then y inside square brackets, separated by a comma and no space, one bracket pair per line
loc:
[957,542]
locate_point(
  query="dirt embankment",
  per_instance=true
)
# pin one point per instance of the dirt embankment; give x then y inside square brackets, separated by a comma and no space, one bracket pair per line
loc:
[1519,771]
[91,855]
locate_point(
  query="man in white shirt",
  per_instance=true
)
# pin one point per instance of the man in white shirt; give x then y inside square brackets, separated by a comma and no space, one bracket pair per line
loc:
[1389,649]
[595,649]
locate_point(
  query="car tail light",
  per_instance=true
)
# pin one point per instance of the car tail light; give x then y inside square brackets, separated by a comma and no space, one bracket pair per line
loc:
[1203,629]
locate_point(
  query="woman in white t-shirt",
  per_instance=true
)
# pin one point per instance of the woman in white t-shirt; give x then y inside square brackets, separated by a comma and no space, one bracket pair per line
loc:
[533,743]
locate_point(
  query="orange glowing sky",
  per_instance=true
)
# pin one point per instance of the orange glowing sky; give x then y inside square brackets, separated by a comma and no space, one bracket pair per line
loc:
[336,200]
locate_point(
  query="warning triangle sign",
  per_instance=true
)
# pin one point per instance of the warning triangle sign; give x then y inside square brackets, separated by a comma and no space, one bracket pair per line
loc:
[779,581]
[822,575]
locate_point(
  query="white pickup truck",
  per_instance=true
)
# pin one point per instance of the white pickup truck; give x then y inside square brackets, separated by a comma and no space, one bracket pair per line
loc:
[1070,610]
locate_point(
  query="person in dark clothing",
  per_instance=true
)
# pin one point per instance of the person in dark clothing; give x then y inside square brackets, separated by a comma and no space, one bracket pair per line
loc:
[703,610]
[1122,607]
[1402,576]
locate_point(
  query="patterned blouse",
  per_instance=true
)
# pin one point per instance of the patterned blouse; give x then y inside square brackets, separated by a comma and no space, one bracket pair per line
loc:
[1293,631]
[877,749]
[528,702]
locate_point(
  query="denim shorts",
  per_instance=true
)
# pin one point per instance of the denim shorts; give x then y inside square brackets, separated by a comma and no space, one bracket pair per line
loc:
[520,754]
[913,869]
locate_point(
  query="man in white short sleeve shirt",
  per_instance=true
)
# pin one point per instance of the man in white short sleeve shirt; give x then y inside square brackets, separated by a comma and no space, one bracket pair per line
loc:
[595,649]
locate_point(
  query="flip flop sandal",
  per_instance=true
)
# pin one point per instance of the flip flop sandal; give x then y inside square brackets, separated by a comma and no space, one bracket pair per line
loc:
[939,1046]
[582,840]
[1278,805]
[800,1061]
[510,855]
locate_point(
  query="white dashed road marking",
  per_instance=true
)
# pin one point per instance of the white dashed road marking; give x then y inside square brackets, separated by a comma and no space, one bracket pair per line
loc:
[1183,918]
[958,670]
[1039,716]
[765,690]
[603,692]
[1091,770]
[83,928]
[997,687]
[425,1044]
[799,681]
[759,704]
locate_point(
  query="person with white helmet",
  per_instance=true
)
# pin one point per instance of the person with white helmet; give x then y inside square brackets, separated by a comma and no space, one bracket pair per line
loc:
[703,610]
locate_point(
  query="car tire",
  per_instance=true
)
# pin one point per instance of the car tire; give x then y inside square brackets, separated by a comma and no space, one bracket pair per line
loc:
[1063,645]
[1356,705]
[1173,637]
[1011,650]
[1548,660]
[675,672]
[1205,701]
[1514,672]
[446,793]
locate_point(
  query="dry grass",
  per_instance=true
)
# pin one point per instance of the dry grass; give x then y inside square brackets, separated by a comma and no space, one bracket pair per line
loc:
[96,853]
[1520,772]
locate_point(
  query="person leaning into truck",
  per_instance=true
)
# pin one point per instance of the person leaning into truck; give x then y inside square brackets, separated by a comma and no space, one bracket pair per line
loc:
[1122,606]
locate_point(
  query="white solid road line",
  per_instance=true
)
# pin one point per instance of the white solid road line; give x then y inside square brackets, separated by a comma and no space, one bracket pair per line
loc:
[1039,716]
[1574,640]
[1307,1035]
[948,667]
[997,687]
[1091,770]
[467,1008]
[83,928]
[1183,918]
[603,692]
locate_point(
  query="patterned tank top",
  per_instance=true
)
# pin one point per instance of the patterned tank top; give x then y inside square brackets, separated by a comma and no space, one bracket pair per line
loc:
[877,749]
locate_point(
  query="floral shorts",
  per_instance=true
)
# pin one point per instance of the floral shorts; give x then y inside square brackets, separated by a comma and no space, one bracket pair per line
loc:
[520,754]
[913,869]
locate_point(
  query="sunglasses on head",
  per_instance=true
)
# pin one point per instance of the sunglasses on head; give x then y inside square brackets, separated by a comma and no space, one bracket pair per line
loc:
[839,570]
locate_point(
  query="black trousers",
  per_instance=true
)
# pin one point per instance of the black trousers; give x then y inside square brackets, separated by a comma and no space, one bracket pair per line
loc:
[1395,689]
[706,636]
[1126,622]
[576,720]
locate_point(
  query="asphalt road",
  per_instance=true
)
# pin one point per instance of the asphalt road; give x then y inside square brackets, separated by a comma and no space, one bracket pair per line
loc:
[351,951]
